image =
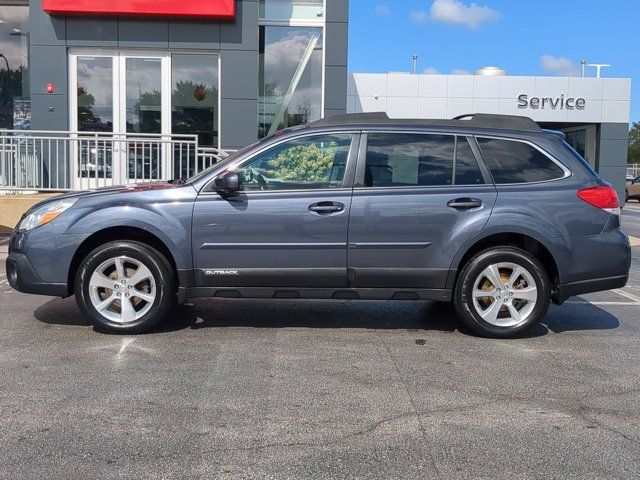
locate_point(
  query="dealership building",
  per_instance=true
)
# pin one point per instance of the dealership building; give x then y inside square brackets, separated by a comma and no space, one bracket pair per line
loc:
[227,72]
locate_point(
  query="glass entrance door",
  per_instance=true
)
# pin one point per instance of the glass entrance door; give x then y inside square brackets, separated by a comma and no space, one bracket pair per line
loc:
[120,105]
[126,105]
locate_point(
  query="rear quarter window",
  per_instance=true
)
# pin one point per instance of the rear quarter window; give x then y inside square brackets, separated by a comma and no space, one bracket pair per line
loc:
[517,162]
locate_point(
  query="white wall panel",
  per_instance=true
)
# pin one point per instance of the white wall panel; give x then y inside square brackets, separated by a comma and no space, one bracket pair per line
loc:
[402,85]
[434,86]
[438,96]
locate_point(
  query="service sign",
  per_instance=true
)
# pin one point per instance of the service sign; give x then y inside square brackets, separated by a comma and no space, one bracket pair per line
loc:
[158,8]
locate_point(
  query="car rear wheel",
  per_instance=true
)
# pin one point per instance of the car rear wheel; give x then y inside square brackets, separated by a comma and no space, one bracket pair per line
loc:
[125,287]
[502,293]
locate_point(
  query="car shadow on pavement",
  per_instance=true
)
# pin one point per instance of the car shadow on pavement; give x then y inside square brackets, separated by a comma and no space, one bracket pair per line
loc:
[59,311]
[575,317]
[399,315]
[219,313]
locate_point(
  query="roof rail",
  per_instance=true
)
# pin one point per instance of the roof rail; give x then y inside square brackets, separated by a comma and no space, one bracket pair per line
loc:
[478,120]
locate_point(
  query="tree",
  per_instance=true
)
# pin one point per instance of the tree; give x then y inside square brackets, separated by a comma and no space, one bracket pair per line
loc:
[634,143]
[310,163]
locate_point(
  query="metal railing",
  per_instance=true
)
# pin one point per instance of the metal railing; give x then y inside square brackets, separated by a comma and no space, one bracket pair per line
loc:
[52,160]
[633,170]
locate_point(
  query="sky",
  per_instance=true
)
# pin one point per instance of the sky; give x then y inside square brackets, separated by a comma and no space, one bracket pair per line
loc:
[525,37]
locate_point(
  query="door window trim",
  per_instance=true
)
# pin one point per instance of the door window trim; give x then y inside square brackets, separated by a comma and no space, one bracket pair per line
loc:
[347,181]
[362,160]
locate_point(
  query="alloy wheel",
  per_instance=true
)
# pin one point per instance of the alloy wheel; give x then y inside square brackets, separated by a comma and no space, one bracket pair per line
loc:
[122,289]
[505,294]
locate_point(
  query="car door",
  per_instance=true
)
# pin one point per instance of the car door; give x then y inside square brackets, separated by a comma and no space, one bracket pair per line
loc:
[413,208]
[287,226]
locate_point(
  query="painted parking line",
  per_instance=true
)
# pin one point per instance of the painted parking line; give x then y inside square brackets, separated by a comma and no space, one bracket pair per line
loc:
[628,295]
[586,302]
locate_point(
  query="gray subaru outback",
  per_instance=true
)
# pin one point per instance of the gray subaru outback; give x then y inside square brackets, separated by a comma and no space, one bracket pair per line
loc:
[488,212]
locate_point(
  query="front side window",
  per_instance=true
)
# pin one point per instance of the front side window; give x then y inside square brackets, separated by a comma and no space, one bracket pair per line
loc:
[314,162]
[517,162]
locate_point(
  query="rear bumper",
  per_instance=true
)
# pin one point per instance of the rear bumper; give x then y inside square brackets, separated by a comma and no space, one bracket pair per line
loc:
[23,278]
[589,286]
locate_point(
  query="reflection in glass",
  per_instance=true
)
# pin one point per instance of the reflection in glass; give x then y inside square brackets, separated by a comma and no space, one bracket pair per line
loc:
[292,9]
[517,162]
[407,160]
[95,114]
[316,162]
[95,94]
[578,140]
[290,84]
[194,97]
[143,85]
[15,106]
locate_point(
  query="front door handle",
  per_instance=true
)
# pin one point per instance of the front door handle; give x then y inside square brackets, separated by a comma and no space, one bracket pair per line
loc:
[324,208]
[465,203]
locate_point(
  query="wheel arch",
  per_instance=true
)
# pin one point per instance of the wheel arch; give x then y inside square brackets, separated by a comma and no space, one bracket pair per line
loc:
[516,239]
[112,234]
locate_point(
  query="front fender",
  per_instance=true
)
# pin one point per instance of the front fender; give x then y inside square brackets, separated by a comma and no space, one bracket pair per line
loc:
[167,219]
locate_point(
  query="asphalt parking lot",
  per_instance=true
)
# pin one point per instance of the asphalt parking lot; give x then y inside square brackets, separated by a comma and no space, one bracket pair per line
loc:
[314,389]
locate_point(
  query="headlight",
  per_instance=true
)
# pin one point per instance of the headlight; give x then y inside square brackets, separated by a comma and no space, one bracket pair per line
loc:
[46,214]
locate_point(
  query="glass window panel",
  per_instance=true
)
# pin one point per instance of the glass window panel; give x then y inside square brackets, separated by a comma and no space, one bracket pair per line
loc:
[467,169]
[406,160]
[581,142]
[194,97]
[95,94]
[517,162]
[290,83]
[304,163]
[144,105]
[15,101]
[292,9]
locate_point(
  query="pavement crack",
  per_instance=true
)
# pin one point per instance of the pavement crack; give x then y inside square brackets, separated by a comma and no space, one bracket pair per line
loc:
[413,404]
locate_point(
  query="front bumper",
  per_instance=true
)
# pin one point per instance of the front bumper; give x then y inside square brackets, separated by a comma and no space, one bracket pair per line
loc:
[23,278]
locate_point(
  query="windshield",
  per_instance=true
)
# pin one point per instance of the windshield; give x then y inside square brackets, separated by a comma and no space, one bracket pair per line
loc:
[221,163]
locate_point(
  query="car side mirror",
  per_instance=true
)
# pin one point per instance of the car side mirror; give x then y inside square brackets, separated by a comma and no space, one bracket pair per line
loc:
[227,184]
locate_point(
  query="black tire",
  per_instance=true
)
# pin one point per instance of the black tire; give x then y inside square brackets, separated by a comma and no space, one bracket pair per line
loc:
[159,268]
[626,196]
[463,293]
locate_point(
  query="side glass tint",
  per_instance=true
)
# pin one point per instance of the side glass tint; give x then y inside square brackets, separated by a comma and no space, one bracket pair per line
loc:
[467,171]
[314,162]
[405,160]
[517,162]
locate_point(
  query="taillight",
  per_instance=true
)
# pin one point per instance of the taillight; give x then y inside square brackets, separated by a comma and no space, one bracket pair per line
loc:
[603,197]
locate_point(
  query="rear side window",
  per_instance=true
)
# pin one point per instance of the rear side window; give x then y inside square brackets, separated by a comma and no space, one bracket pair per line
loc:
[517,162]
[408,160]
[467,171]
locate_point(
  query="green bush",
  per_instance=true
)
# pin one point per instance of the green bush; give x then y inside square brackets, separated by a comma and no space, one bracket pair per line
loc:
[305,162]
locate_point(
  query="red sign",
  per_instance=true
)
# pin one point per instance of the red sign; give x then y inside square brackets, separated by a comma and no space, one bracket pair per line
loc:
[173,8]
[51,88]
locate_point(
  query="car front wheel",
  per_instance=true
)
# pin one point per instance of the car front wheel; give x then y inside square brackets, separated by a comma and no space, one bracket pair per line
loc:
[125,287]
[502,293]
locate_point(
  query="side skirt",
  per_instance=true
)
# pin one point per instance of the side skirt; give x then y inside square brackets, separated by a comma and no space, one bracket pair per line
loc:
[441,295]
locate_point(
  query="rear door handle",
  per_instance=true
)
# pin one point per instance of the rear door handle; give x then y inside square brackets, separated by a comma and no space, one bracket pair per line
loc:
[465,203]
[324,208]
